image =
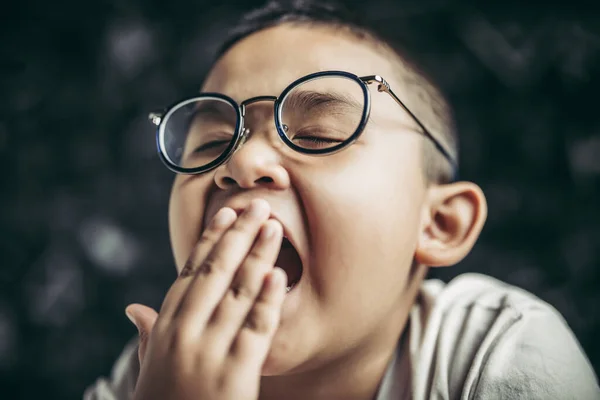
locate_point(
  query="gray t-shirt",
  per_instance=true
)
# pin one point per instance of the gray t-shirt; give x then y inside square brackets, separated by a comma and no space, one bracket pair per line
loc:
[473,338]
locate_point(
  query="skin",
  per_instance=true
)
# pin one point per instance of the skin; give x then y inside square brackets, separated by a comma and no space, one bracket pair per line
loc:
[364,221]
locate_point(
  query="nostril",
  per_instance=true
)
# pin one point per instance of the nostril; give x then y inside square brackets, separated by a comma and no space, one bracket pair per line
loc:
[265,179]
[228,181]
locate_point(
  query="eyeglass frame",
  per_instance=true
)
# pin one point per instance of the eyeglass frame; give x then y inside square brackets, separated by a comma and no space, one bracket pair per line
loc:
[241,133]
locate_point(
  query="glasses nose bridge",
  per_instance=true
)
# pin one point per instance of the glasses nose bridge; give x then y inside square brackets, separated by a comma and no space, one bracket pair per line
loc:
[253,100]
[246,131]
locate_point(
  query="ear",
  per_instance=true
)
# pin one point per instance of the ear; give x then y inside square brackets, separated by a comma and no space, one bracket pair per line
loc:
[452,220]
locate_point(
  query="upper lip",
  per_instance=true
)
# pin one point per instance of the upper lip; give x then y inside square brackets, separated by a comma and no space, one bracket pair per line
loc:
[240,205]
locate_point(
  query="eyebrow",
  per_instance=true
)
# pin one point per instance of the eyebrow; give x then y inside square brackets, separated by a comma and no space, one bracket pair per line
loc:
[308,99]
[211,109]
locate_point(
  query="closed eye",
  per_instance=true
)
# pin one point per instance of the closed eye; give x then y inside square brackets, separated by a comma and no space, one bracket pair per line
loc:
[315,142]
[211,145]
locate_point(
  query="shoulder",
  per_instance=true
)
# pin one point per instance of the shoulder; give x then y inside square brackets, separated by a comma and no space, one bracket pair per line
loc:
[121,383]
[487,339]
[481,291]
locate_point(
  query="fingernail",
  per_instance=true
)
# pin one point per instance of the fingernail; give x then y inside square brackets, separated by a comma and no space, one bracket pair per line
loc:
[258,208]
[131,318]
[224,217]
[269,230]
[278,275]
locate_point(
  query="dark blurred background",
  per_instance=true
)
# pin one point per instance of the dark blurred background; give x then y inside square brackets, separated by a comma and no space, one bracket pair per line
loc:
[83,205]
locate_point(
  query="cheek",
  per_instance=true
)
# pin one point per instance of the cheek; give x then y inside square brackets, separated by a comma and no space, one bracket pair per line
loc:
[186,210]
[364,226]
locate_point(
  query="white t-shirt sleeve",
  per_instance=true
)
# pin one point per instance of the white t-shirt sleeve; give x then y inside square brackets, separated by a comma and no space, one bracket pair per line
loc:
[121,383]
[535,357]
[478,338]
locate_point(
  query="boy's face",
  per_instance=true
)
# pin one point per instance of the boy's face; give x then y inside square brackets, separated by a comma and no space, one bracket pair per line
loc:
[354,217]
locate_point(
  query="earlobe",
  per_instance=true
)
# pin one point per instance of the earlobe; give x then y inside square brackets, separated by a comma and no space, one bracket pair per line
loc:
[452,221]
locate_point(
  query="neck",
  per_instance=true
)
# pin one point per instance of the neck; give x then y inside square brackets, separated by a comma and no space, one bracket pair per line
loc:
[356,374]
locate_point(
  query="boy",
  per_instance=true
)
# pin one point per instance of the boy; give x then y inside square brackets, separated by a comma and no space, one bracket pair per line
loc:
[346,186]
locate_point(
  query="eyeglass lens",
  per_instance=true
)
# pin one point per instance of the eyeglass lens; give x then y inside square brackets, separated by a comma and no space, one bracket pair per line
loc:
[317,114]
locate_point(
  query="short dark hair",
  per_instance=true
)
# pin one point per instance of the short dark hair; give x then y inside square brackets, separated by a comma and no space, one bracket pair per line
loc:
[431,106]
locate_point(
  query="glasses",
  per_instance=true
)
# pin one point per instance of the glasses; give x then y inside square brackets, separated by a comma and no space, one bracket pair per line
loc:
[319,114]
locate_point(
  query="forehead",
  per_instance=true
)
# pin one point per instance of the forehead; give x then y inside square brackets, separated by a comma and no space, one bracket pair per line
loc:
[267,61]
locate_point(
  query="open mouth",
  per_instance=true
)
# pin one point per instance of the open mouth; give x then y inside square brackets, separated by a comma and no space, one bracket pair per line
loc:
[289,260]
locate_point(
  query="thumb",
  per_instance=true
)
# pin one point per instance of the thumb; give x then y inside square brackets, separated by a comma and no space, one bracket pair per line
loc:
[143,318]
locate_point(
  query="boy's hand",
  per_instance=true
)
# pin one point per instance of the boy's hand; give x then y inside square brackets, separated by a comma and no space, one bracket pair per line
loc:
[217,321]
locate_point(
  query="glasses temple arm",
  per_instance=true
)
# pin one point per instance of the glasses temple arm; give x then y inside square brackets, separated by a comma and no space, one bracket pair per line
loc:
[383,86]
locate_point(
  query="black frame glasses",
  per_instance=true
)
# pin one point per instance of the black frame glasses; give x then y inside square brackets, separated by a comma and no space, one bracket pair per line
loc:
[241,133]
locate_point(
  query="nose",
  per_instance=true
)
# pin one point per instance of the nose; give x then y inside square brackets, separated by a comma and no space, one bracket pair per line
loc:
[255,164]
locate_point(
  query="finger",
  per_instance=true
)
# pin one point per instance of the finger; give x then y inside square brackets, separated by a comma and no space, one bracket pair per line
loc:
[216,272]
[231,313]
[222,220]
[143,318]
[253,342]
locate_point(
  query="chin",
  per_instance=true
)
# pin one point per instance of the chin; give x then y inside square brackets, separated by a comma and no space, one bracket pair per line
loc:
[284,356]
[273,368]
[279,361]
